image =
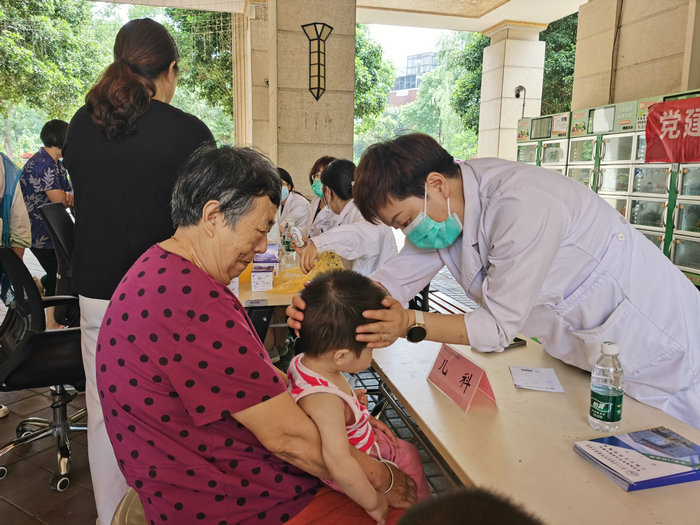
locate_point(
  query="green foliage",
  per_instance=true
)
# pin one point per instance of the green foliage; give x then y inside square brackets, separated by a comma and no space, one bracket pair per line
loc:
[21,128]
[374,77]
[205,41]
[430,113]
[559,58]
[466,61]
[385,127]
[45,59]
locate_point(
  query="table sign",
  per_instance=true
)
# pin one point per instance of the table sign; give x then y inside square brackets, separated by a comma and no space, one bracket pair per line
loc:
[459,378]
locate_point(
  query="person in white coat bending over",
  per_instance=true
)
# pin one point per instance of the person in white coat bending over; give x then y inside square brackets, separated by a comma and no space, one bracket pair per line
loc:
[294,208]
[363,246]
[542,255]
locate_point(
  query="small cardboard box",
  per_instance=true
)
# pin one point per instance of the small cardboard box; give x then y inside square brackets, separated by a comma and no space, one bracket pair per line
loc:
[262,277]
[269,258]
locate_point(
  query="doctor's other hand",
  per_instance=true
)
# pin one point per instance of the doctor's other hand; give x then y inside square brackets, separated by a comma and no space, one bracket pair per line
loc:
[392,322]
[295,313]
[307,257]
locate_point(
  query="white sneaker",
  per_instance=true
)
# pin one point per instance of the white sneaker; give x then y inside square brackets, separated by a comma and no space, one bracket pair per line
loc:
[4,411]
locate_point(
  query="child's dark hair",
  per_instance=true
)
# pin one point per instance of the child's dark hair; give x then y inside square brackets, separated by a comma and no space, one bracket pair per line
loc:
[334,305]
[468,505]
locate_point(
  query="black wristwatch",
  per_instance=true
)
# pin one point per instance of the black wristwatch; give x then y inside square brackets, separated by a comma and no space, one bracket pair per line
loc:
[417,332]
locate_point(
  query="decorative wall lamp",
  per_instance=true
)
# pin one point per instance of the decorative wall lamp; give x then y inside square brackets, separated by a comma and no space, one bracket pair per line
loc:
[317,33]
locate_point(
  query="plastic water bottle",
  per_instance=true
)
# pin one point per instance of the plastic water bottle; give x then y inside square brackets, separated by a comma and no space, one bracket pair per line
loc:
[607,388]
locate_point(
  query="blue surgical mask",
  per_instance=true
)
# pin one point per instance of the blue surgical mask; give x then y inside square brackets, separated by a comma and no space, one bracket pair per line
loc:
[427,234]
[285,192]
[317,187]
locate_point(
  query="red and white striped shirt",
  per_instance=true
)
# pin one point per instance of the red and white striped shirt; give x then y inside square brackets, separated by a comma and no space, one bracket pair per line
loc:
[304,381]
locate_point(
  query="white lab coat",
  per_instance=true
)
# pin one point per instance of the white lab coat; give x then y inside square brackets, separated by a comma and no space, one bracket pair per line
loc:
[363,246]
[294,211]
[320,222]
[546,257]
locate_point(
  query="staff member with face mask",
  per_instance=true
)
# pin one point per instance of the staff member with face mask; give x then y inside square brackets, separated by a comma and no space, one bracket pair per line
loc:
[321,218]
[294,208]
[363,246]
[542,255]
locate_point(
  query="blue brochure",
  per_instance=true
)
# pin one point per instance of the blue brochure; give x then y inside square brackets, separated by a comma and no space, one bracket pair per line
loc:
[644,459]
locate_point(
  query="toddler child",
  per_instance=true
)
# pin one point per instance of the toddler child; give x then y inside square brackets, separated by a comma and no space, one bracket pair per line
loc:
[334,305]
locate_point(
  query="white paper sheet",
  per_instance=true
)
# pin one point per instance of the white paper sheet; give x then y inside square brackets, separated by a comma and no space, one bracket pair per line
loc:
[536,378]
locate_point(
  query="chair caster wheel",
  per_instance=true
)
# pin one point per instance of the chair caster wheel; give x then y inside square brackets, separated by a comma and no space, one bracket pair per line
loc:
[60,483]
[3,472]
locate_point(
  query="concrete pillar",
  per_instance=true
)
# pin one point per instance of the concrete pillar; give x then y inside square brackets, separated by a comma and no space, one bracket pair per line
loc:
[251,111]
[691,55]
[514,58]
[242,88]
[301,127]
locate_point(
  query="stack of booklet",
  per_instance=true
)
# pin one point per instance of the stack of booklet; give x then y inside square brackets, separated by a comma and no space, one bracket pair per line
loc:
[644,459]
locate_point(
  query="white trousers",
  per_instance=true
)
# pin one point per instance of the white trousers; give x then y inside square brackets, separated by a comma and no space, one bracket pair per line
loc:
[107,480]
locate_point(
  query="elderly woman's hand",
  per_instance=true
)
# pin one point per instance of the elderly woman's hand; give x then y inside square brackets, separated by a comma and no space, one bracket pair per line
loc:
[307,258]
[403,493]
[392,322]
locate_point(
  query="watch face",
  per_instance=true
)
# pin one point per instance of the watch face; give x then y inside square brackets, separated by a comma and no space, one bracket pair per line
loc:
[416,334]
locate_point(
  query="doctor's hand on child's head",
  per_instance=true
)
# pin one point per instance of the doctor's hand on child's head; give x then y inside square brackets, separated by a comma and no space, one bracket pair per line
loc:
[295,313]
[391,323]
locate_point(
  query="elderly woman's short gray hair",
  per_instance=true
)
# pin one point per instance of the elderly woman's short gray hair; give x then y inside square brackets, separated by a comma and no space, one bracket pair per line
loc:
[233,176]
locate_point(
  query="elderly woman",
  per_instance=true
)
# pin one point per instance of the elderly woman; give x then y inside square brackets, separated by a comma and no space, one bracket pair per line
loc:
[200,420]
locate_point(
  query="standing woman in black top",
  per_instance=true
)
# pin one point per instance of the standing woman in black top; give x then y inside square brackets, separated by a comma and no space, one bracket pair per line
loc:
[123,150]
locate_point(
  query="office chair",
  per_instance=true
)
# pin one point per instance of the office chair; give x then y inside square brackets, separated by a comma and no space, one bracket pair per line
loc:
[33,357]
[62,232]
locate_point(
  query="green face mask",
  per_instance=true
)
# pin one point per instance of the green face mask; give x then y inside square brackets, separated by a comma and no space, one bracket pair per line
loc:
[428,234]
[317,186]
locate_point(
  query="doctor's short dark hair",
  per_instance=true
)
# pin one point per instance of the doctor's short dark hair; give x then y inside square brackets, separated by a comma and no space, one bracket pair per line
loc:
[233,176]
[398,168]
[53,134]
[334,304]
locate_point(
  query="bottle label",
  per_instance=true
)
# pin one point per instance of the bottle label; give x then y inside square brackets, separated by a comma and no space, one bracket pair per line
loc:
[606,408]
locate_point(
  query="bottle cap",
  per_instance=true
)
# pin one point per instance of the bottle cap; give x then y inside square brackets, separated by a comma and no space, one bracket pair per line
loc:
[609,348]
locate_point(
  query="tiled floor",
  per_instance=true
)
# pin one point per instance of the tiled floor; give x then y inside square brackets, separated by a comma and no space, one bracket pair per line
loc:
[25,495]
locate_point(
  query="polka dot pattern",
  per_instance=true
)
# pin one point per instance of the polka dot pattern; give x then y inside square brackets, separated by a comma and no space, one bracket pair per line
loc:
[178,359]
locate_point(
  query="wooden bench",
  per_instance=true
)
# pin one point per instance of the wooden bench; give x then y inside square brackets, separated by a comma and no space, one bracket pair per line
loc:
[443,304]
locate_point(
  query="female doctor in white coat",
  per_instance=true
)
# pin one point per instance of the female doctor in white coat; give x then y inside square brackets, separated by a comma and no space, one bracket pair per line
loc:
[542,255]
[321,218]
[363,246]
[294,208]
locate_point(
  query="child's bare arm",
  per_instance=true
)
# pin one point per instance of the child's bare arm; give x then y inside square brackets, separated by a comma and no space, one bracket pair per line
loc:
[327,412]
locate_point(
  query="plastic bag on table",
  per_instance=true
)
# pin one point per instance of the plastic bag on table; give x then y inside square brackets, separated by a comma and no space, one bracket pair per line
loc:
[292,281]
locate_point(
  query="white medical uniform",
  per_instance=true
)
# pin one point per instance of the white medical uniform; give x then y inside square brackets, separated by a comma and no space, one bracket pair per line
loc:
[319,222]
[363,246]
[294,211]
[546,257]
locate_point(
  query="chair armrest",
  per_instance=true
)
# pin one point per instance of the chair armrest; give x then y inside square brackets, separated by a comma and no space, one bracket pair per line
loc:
[58,300]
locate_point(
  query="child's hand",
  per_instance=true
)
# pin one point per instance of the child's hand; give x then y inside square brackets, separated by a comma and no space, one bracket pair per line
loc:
[382,427]
[361,395]
[381,509]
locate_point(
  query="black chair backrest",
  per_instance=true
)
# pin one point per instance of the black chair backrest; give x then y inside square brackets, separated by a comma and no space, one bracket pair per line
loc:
[27,297]
[62,231]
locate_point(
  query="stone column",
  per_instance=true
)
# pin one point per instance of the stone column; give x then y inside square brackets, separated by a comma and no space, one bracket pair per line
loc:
[242,89]
[514,58]
[301,127]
